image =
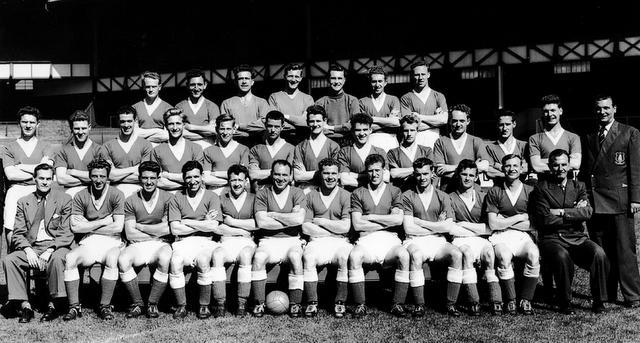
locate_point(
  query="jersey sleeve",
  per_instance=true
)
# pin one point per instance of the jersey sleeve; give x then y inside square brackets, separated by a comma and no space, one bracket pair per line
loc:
[447,207]
[480,149]
[60,160]
[534,146]
[197,153]
[299,198]
[146,150]
[441,101]
[129,209]
[356,202]
[261,202]
[214,205]
[309,212]
[244,156]
[213,112]
[272,100]
[175,213]
[298,158]
[254,159]
[394,103]
[405,105]
[396,201]
[78,205]
[574,145]
[345,202]
[393,159]
[438,152]
[208,162]
[407,204]
[8,159]
[343,160]
[492,201]
[117,203]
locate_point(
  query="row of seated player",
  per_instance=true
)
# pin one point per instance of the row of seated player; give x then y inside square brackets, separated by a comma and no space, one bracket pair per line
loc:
[486,230]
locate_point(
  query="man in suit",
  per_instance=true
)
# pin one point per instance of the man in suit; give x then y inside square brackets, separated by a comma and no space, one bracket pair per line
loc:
[560,208]
[41,239]
[610,159]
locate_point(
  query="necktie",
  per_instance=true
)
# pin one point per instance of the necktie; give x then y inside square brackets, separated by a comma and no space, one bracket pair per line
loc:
[601,135]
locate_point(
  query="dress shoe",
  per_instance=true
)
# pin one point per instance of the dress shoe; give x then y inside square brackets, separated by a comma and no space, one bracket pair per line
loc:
[152,311]
[180,313]
[73,313]
[50,315]
[27,315]
[567,309]
[598,307]
[632,304]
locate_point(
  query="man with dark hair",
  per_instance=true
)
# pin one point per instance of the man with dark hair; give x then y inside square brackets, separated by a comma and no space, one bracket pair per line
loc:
[41,240]
[327,224]
[194,215]
[98,213]
[172,155]
[428,216]
[274,148]
[384,109]
[504,145]
[338,105]
[429,105]
[449,150]
[236,244]
[313,149]
[19,158]
[353,173]
[147,231]
[553,137]
[224,152]
[151,109]
[376,214]
[560,210]
[507,211]
[470,236]
[401,158]
[279,211]
[610,170]
[248,109]
[200,111]
[72,159]
[291,101]
[125,153]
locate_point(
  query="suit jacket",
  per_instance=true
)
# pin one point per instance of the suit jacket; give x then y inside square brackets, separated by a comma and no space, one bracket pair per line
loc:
[612,171]
[57,211]
[547,196]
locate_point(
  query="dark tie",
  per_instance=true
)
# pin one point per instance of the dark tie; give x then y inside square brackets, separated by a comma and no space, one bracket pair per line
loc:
[601,135]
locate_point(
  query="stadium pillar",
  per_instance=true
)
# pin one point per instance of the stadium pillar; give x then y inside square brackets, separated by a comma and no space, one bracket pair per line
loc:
[500,86]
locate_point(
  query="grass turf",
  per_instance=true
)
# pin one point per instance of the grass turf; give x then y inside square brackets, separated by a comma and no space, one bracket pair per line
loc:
[618,324]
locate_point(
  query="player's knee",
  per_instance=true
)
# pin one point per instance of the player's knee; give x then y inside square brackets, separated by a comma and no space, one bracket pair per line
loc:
[308,260]
[246,255]
[71,260]
[488,258]
[218,257]
[124,262]
[203,262]
[111,260]
[417,259]
[467,253]
[342,260]
[355,258]
[456,258]
[403,258]
[260,259]
[164,259]
[176,263]
[533,255]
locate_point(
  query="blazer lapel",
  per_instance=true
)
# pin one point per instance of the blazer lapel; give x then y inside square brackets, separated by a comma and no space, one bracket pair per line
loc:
[611,137]
[49,208]
[557,194]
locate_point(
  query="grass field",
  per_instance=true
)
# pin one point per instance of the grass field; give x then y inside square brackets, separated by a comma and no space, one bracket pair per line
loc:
[619,324]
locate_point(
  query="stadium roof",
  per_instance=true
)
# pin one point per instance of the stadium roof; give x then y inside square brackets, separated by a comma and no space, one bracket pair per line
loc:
[130,36]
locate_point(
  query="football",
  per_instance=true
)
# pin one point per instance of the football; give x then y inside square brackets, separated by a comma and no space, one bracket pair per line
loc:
[277,302]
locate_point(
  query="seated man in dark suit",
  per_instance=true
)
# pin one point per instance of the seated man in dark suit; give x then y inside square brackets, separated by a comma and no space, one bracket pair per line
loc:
[41,239]
[560,208]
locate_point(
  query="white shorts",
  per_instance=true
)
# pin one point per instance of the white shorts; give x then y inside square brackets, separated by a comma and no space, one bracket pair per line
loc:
[377,245]
[233,245]
[428,246]
[383,140]
[278,247]
[428,137]
[325,249]
[475,244]
[14,193]
[190,247]
[128,188]
[145,252]
[98,246]
[514,240]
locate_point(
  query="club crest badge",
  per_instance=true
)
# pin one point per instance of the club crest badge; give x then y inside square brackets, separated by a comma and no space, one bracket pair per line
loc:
[620,158]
